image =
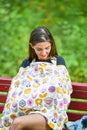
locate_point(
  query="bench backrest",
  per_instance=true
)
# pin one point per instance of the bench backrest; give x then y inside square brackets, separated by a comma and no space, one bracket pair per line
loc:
[77,107]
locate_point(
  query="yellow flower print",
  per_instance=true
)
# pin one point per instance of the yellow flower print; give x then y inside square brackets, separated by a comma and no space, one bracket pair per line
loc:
[51,125]
[23,108]
[58,90]
[28,111]
[43,95]
[13,116]
[8,105]
[65,120]
[36,85]
[58,124]
[64,90]
[41,70]
[7,124]
[55,107]
[67,78]
[17,83]
[29,78]
[43,65]
[44,110]
[45,80]
[38,101]
[27,91]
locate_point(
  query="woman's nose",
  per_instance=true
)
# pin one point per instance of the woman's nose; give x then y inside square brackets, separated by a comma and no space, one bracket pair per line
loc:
[44,52]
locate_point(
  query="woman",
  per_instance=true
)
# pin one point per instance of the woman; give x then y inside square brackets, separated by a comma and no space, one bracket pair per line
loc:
[44,106]
[45,50]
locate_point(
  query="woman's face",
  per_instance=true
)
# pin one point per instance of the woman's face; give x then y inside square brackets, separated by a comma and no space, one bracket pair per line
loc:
[42,50]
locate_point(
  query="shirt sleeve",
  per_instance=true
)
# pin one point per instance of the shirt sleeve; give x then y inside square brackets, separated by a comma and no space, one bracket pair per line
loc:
[25,63]
[60,60]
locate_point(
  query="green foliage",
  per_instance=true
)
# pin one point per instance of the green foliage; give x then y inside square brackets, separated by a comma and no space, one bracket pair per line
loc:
[66,20]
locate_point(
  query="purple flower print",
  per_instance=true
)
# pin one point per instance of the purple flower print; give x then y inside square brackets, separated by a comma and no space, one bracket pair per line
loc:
[65,101]
[19,94]
[43,90]
[51,89]
[30,102]
[61,104]
[14,105]
[14,94]
[56,72]
[36,68]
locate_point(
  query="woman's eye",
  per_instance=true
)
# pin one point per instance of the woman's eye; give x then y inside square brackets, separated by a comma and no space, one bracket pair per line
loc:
[47,48]
[39,49]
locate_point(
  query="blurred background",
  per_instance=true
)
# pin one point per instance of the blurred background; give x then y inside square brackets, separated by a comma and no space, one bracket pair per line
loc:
[67,21]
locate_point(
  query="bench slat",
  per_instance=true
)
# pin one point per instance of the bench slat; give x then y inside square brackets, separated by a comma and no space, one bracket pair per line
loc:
[4,80]
[79,94]
[74,116]
[3,98]
[4,87]
[76,105]
[1,108]
[83,88]
[79,86]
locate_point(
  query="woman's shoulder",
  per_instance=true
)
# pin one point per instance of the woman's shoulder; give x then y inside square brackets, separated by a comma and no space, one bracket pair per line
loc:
[25,63]
[60,60]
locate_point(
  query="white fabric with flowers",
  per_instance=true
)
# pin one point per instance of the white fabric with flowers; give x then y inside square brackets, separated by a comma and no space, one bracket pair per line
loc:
[43,88]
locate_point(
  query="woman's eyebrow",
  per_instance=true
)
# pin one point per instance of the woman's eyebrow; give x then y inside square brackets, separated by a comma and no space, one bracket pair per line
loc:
[42,48]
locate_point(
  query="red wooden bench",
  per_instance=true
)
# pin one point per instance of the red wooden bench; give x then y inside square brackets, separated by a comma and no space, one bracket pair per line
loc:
[77,107]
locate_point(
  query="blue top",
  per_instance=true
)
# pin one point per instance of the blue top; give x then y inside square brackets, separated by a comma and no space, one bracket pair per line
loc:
[60,61]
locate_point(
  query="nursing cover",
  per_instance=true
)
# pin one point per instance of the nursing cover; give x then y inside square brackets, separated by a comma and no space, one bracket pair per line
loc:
[42,88]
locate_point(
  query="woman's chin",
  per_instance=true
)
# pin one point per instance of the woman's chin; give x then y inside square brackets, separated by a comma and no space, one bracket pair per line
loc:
[45,58]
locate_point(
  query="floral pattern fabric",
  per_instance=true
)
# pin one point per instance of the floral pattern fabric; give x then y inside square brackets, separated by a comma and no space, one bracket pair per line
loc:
[42,88]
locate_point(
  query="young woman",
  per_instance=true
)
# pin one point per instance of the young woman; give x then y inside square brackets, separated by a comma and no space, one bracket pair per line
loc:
[42,88]
[42,47]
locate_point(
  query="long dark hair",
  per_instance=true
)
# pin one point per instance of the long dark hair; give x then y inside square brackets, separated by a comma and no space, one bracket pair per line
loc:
[41,34]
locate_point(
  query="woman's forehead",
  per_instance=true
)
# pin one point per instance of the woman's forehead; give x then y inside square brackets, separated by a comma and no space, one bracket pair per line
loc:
[43,44]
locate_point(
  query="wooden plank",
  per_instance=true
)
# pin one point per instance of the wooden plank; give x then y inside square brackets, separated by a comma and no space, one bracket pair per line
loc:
[83,88]
[74,116]
[5,80]
[1,108]
[4,87]
[76,105]
[77,84]
[3,98]
[79,94]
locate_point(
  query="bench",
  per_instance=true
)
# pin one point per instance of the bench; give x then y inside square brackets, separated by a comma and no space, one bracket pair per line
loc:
[77,107]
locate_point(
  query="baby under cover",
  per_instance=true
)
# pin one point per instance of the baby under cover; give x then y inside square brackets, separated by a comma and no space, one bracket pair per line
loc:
[80,124]
[42,88]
